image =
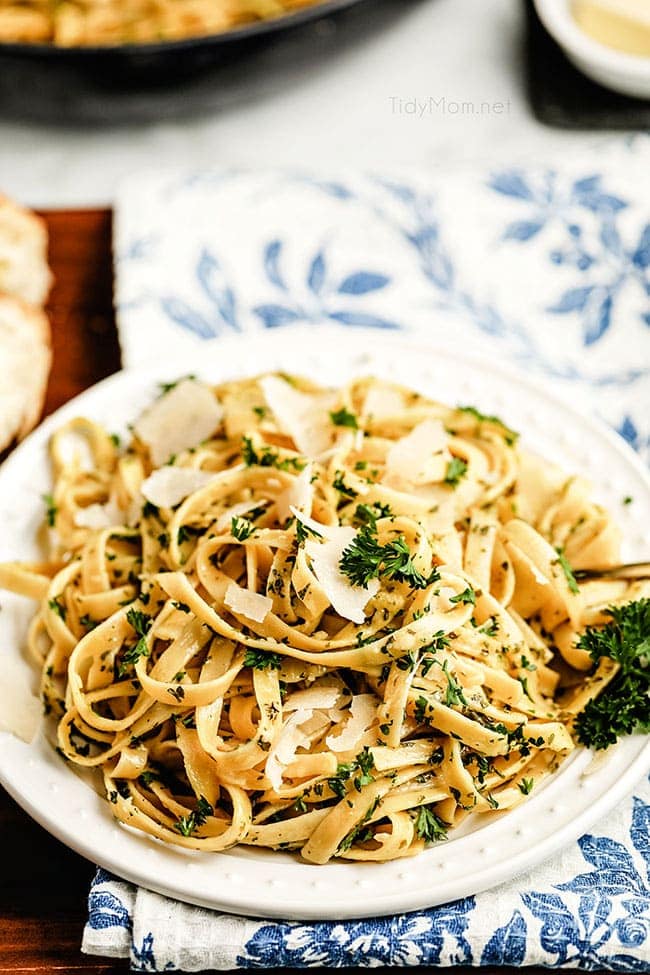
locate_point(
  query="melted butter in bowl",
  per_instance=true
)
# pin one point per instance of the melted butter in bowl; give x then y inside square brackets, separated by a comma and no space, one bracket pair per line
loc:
[623,25]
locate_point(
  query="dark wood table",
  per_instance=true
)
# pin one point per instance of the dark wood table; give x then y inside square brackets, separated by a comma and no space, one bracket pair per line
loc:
[43,885]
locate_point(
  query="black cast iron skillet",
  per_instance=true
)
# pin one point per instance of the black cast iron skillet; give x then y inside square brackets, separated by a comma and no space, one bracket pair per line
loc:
[130,82]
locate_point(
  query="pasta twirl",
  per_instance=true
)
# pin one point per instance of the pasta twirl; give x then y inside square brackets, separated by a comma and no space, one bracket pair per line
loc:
[330,621]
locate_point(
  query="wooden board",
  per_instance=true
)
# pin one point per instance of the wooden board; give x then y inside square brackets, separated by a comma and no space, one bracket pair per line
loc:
[43,885]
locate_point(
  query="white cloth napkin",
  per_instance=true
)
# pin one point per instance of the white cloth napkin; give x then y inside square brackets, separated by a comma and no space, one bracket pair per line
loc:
[546,267]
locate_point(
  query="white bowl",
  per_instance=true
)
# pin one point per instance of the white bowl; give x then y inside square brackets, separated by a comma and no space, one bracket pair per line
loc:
[625,73]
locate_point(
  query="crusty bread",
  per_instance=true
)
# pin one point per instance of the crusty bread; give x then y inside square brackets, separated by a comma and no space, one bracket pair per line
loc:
[24,271]
[25,359]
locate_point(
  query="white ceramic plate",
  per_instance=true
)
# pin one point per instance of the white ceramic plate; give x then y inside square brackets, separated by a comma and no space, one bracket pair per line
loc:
[275,884]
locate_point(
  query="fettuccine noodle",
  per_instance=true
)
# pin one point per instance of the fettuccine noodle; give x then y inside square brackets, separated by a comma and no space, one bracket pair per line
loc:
[336,622]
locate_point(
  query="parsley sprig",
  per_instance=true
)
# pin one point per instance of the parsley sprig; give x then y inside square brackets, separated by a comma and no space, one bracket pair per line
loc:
[428,827]
[141,623]
[365,559]
[186,825]
[624,705]
[363,764]
[262,659]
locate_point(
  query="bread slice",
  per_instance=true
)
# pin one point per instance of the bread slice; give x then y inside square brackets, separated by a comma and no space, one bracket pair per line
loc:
[25,359]
[24,271]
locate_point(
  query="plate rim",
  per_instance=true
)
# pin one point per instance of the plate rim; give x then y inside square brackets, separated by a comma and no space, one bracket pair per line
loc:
[423,895]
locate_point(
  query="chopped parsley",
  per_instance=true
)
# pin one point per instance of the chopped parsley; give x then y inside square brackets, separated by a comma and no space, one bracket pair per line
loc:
[428,827]
[368,514]
[491,628]
[141,623]
[421,706]
[526,786]
[241,528]
[466,596]
[303,531]
[262,659]
[268,458]
[628,499]
[186,825]
[57,607]
[624,705]
[563,562]
[454,693]
[360,834]
[185,532]
[50,509]
[365,559]
[342,487]
[343,418]
[456,470]
[364,763]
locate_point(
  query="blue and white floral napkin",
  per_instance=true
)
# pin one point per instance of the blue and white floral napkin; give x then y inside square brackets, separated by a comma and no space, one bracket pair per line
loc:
[546,267]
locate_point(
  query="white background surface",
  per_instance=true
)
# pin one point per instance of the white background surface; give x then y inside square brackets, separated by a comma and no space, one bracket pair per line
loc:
[320,111]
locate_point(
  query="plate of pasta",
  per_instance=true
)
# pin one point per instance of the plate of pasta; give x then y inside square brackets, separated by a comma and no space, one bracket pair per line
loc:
[93,24]
[322,624]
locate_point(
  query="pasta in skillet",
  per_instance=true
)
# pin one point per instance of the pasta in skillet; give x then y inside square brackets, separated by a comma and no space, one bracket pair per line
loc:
[330,621]
[75,23]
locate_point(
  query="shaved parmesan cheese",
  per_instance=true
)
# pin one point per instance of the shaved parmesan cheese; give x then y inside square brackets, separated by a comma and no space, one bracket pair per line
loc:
[317,697]
[180,419]
[382,401]
[419,458]
[299,495]
[349,601]
[246,603]
[20,710]
[318,722]
[305,418]
[99,516]
[169,485]
[241,508]
[284,751]
[363,711]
